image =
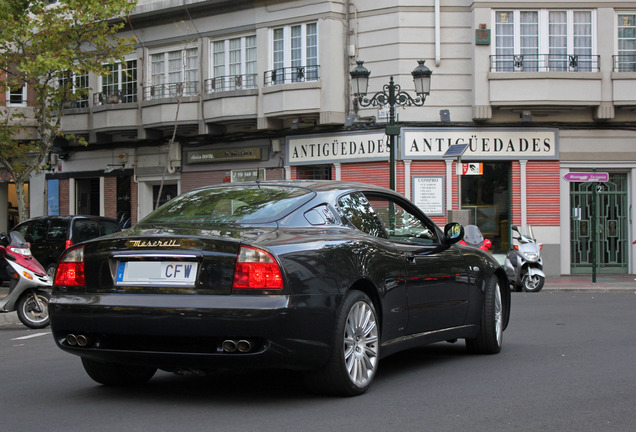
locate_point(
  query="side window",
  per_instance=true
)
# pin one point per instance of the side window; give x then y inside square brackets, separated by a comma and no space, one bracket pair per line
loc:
[22,229]
[400,223]
[57,230]
[355,209]
[39,230]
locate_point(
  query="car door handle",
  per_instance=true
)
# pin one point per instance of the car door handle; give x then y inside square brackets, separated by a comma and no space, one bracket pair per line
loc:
[409,257]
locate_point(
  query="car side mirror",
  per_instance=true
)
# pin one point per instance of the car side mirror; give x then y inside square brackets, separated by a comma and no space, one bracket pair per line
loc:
[453,233]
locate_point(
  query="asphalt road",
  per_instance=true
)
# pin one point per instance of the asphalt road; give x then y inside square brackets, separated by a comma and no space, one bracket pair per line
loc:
[568,364]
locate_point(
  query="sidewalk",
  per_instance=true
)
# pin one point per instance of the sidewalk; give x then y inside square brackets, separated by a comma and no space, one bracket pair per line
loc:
[604,283]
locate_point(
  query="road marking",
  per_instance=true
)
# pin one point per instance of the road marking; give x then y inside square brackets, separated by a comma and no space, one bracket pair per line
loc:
[32,336]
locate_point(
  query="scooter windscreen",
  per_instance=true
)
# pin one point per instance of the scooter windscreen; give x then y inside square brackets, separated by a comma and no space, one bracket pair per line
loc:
[472,235]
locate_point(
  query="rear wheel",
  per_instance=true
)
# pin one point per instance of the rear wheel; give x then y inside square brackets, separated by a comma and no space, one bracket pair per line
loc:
[33,309]
[355,350]
[490,336]
[115,374]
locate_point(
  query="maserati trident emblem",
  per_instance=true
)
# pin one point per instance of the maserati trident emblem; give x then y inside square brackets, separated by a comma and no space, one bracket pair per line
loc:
[153,243]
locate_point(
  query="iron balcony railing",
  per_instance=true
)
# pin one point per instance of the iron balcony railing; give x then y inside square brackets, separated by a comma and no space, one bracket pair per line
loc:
[230,82]
[171,90]
[624,63]
[115,97]
[292,74]
[544,63]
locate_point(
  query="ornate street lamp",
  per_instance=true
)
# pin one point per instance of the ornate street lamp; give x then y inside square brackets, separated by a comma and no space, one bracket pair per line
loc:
[391,95]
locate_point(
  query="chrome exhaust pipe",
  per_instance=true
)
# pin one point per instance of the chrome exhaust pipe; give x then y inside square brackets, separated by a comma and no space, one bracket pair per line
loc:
[244,346]
[229,345]
[71,339]
[82,340]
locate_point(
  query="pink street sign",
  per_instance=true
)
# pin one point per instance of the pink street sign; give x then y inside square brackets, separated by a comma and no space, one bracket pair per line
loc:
[586,176]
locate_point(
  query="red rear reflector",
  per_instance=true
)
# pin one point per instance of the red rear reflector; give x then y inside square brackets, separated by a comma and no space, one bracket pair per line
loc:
[256,269]
[70,269]
[69,243]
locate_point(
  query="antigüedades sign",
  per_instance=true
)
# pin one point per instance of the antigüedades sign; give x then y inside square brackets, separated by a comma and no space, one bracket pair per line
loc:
[361,147]
[487,143]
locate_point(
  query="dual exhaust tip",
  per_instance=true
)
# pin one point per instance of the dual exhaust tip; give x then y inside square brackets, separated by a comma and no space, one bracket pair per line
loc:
[77,340]
[233,345]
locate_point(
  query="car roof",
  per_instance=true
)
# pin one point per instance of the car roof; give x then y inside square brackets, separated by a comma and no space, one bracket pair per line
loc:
[70,217]
[315,185]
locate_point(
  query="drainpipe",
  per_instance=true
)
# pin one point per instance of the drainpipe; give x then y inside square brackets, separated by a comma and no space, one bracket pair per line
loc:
[438,43]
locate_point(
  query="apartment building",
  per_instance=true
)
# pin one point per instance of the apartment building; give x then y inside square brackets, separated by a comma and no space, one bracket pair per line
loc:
[262,90]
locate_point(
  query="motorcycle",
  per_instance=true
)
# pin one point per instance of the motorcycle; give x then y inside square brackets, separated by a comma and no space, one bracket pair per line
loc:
[29,286]
[523,263]
[473,237]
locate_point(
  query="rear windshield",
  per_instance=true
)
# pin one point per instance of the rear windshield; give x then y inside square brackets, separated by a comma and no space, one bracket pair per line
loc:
[87,229]
[231,204]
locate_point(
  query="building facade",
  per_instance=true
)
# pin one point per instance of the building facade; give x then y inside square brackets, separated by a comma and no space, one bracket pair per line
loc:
[261,90]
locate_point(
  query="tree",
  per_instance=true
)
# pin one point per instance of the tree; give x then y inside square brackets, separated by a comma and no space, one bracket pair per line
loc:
[45,47]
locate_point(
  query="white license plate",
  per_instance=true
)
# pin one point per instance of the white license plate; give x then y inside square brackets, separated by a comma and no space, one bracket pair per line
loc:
[156,273]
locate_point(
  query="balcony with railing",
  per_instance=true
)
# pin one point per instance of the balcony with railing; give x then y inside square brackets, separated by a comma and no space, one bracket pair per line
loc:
[624,80]
[171,90]
[544,63]
[161,102]
[114,111]
[294,74]
[230,83]
[524,80]
[291,91]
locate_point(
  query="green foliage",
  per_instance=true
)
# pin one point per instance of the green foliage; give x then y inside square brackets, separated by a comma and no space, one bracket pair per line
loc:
[41,45]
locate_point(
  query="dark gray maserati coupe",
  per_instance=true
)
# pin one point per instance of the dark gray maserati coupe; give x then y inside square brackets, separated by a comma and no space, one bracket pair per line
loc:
[322,277]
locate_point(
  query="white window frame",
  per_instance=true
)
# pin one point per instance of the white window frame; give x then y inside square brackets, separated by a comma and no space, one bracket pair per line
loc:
[231,81]
[120,78]
[79,103]
[24,97]
[544,29]
[167,88]
[623,67]
[287,50]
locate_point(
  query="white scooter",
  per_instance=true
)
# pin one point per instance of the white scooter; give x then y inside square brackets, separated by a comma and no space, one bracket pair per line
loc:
[29,286]
[523,264]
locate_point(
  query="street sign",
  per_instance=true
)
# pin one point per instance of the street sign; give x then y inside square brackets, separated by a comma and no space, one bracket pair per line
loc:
[473,168]
[586,176]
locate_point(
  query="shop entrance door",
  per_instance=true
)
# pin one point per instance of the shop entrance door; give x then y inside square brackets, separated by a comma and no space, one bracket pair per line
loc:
[612,234]
[487,196]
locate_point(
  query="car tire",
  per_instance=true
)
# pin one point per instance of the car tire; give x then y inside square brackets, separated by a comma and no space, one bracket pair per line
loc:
[490,337]
[50,271]
[115,374]
[353,361]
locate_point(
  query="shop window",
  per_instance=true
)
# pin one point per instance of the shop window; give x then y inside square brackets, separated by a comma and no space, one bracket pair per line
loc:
[87,195]
[123,201]
[313,172]
[487,196]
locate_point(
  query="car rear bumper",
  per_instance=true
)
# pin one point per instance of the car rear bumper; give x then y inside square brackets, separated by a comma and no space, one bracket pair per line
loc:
[189,331]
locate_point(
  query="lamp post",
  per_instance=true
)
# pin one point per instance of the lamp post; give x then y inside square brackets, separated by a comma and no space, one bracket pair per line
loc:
[391,95]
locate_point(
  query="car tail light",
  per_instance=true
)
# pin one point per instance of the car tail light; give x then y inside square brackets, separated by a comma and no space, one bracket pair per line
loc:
[256,269]
[70,269]
[69,243]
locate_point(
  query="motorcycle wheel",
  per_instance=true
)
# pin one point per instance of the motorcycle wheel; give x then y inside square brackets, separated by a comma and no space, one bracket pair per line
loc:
[34,311]
[532,283]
